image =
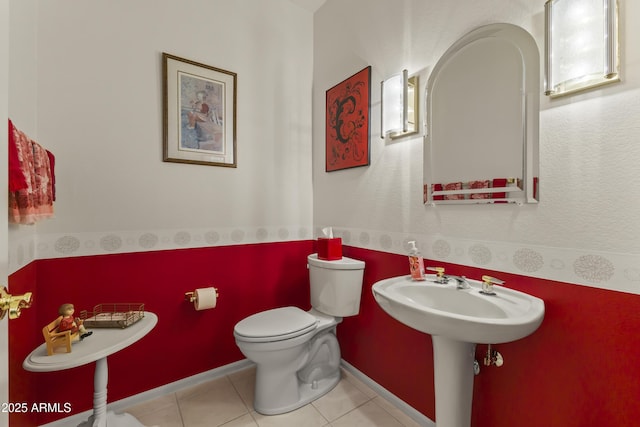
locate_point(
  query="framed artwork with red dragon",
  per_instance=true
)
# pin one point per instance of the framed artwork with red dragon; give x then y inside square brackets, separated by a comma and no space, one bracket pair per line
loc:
[347,122]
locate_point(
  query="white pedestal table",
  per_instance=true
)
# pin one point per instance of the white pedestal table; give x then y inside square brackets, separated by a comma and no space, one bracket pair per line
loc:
[95,348]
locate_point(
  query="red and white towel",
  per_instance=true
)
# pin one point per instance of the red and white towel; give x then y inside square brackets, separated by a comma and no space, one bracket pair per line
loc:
[31,179]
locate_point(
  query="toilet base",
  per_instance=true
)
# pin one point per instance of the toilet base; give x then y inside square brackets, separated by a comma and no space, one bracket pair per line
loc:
[307,392]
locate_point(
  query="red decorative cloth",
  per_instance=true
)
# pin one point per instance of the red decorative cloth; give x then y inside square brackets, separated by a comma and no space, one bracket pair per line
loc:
[17,181]
[437,187]
[498,183]
[34,201]
[479,184]
[453,186]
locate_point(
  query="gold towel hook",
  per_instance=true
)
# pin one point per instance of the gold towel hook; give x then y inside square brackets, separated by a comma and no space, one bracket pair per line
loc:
[13,304]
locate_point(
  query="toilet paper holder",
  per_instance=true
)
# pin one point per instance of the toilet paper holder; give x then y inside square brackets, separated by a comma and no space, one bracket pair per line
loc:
[191,296]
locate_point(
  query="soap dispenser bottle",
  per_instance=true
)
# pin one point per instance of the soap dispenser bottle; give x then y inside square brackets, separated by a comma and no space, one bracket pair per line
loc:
[416,263]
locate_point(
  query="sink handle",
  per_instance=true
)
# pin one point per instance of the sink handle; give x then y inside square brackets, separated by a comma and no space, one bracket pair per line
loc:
[487,284]
[492,280]
[439,270]
[439,273]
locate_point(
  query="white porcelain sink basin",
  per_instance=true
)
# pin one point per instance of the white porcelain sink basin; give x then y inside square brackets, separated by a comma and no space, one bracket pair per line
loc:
[460,314]
[457,320]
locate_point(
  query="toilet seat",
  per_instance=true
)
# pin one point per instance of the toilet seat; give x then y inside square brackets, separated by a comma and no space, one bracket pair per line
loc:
[278,324]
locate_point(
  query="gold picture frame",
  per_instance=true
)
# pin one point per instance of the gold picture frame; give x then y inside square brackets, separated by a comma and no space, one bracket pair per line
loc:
[199,113]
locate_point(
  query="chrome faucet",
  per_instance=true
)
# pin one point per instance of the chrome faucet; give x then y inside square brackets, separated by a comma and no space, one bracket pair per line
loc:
[461,282]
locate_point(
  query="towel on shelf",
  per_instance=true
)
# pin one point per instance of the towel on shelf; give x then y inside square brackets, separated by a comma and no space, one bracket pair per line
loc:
[479,184]
[453,186]
[34,201]
[437,187]
[497,183]
[448,187]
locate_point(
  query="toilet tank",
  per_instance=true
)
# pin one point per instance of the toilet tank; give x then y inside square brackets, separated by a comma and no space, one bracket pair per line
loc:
[336,286]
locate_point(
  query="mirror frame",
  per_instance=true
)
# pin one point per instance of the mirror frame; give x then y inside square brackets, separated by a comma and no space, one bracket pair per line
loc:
[523,189]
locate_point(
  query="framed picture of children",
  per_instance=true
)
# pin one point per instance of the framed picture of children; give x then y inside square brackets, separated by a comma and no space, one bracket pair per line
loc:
[347,122]
[199,113]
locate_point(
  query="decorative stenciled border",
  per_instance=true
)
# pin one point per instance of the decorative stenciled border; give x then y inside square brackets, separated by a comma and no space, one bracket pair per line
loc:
[605,270]
[48,246]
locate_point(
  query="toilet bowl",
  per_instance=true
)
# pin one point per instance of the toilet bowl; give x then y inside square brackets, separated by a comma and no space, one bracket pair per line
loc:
[296,352]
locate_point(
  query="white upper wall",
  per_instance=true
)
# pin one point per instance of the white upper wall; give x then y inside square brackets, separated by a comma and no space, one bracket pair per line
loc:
[85,81]
[585,228]
[98,105]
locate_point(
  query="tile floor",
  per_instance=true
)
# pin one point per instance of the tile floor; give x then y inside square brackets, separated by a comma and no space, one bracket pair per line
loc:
[228,402]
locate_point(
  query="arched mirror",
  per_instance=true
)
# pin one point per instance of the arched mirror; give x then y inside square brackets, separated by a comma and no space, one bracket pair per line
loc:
[481,136]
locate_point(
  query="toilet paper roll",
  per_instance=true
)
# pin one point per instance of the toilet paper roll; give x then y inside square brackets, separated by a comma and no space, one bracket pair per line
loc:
[205,298]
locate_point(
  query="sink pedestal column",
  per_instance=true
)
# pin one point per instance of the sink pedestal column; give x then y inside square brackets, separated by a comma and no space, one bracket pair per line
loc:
[453,379]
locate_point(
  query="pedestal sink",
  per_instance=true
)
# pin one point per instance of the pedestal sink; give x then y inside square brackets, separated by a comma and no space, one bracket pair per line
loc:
[457,319]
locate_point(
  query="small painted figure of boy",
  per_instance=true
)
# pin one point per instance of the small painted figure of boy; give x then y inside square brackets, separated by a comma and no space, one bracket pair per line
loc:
[68,322]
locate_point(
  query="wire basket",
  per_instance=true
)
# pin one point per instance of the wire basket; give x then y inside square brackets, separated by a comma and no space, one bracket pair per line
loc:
[114,315]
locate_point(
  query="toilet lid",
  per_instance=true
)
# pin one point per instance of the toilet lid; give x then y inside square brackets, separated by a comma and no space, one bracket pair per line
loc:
[277,324]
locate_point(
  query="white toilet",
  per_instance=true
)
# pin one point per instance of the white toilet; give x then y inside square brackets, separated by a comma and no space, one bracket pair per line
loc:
[296,353]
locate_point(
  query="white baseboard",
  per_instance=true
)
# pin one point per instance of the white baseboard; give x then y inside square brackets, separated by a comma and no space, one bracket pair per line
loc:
[120,405]
[386,394]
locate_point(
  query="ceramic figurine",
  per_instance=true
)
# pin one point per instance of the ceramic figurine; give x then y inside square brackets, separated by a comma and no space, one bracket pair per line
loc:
[68,322]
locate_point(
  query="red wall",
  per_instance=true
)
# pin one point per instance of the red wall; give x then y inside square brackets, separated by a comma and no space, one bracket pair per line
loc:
[185,342]
[580,368]
[21,341]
